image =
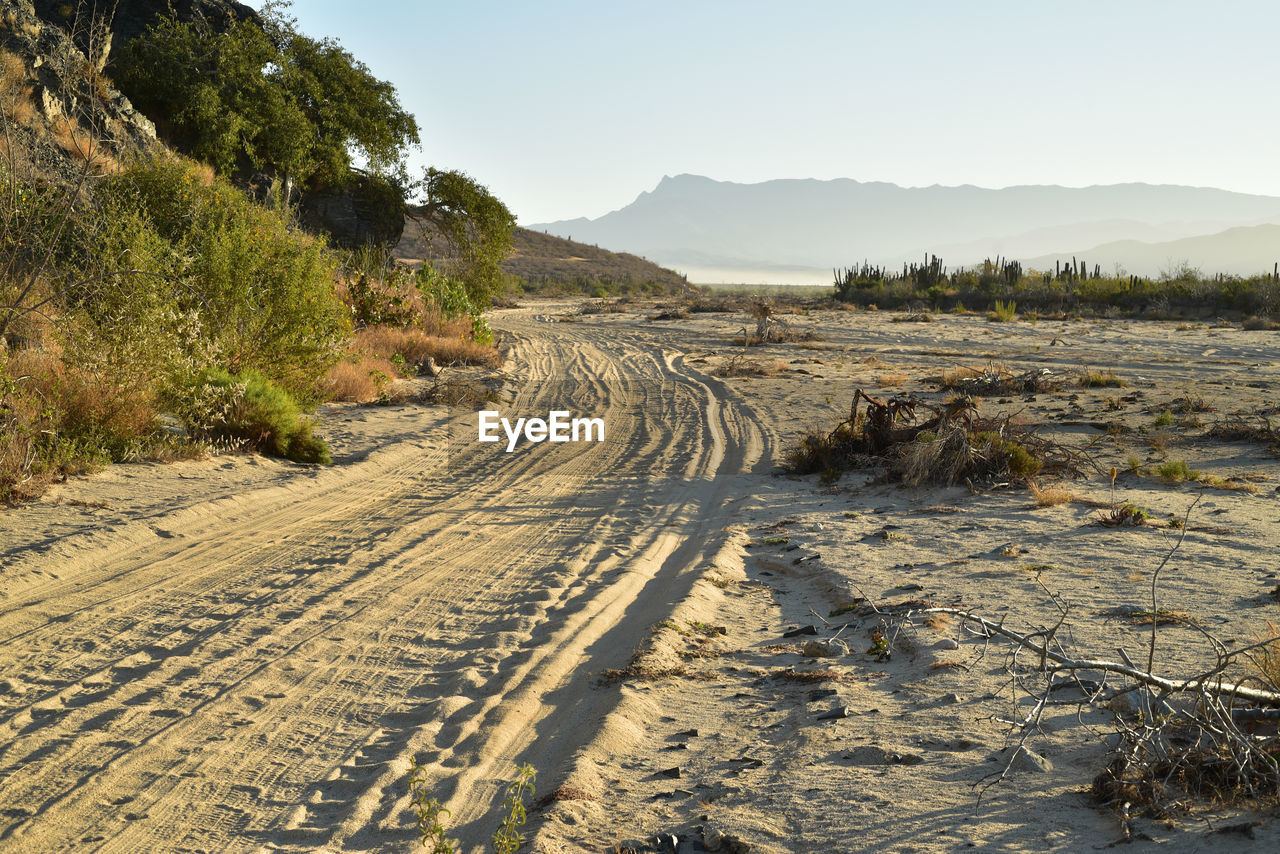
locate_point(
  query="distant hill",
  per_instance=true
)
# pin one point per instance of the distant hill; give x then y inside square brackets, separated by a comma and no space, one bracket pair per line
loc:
[692,223]
[1244,251]
[543,259]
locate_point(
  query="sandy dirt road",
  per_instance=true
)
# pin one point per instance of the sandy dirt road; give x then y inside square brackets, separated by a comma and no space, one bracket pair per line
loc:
[253,669]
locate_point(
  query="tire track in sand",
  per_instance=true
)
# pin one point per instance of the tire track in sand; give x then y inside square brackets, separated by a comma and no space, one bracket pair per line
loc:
[262,678]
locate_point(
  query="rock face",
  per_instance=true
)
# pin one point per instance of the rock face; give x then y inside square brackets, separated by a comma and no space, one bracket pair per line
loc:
[57,107]
[54,59]
[131,18]
[366,212]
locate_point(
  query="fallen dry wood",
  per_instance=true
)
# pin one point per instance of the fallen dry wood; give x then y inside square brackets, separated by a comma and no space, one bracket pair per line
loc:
[1201,683]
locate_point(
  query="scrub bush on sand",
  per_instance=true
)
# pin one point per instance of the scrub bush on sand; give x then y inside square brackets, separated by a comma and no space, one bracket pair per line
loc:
[953,444]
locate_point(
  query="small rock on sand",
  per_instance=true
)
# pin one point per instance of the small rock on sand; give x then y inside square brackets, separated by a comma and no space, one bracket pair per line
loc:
[1025,760]
[715,839]
[817,649]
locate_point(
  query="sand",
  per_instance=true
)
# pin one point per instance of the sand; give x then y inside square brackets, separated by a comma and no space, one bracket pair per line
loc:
[243,654]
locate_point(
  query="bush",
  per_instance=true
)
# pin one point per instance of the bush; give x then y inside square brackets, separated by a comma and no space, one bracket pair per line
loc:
[955,445]
[1177,471]
[1102,379]
[1003,312]
[233,280]
[252,410]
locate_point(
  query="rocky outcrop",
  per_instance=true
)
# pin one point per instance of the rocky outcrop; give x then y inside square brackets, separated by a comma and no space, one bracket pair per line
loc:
[366,211]
[56,97]
[128,19]
[56,105]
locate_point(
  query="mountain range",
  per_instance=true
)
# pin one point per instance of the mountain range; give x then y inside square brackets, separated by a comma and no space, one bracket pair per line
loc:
[799,229]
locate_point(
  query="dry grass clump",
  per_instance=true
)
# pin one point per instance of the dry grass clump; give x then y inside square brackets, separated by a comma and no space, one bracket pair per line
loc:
[605,306]
[358,379]
[113,406]
[1003,312]
[741,365]
[59,418]
[1246,428]
[82,145]
[1050,496]
[417,347]
[670,312]
[952,377]
[1255,323]
[460,351]
[457,392]
[1264,660]
[716,304]
[937,622]
[16,91]
[1102,379]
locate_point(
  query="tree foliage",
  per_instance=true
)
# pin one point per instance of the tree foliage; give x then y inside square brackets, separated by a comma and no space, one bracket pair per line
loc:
[263,95]
[474,223]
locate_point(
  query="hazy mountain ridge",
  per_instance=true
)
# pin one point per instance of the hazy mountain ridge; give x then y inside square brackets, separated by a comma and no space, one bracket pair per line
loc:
[693,221]
[1243,251]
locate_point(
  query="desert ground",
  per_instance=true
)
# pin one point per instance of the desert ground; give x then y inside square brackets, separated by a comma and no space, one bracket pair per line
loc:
[244,654]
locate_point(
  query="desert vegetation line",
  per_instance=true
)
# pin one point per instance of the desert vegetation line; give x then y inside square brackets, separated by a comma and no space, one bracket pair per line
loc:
[1001,284]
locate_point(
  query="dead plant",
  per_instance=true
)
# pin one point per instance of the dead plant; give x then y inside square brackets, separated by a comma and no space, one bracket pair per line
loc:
[996,380]
[955,445]
[742,365]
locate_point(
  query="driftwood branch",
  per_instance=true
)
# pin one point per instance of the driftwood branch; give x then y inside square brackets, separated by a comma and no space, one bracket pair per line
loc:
[1210,684]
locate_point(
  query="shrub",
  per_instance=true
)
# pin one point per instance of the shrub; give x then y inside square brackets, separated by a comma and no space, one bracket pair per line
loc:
[955,445]
[1126,515]
[253,410]
[1102,379]
[1003,312]
[250,291]
[1178,471]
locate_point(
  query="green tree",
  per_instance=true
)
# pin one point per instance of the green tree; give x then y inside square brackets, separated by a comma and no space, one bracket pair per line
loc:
[475,225]
[263,95]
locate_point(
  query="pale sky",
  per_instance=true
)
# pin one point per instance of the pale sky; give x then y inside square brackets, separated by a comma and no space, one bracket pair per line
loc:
[567,108]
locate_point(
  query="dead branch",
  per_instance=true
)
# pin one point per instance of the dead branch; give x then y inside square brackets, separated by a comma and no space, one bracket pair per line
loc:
[1207,683]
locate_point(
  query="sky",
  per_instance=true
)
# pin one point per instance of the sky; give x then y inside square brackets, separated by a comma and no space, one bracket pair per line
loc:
[565,108]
